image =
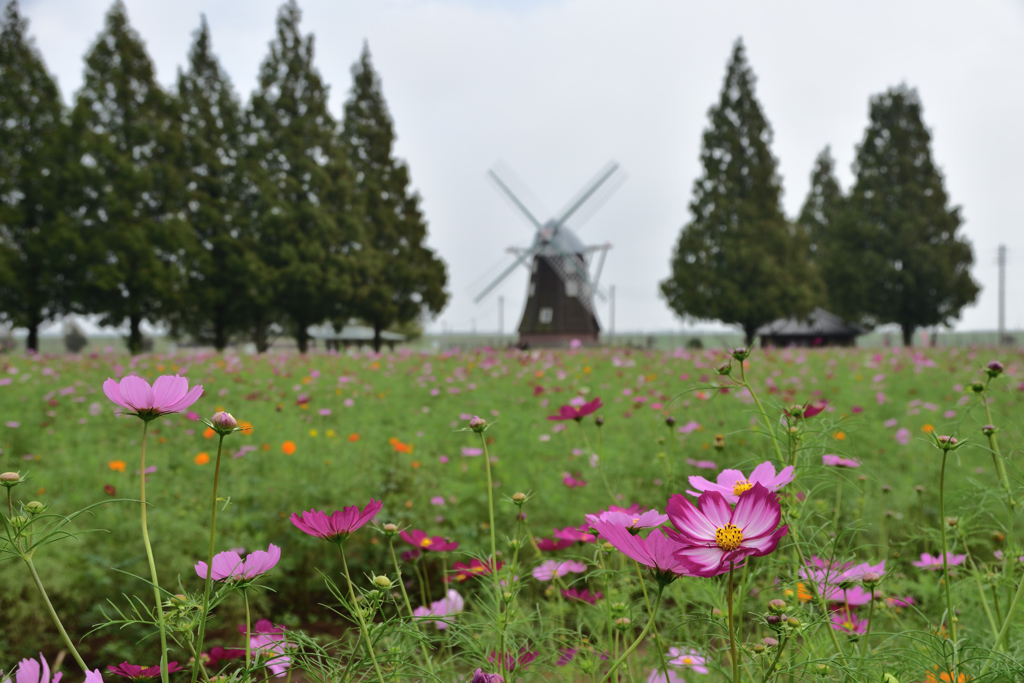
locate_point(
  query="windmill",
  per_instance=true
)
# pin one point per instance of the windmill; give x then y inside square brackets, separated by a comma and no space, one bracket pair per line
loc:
[560,299]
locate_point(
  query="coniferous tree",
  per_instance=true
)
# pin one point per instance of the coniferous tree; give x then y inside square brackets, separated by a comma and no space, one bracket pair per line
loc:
[305,246]
[399,278]
[217,181]
[910,258]
[739,260]
[37,238]
[130,210]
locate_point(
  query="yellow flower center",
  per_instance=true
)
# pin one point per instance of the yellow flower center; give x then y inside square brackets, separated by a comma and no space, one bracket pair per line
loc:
[425,543]
[687,661]
[741,486]
[635,520]
[729,537]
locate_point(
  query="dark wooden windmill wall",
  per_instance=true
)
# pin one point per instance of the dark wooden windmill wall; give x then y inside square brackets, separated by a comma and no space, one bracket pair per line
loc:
[552,317]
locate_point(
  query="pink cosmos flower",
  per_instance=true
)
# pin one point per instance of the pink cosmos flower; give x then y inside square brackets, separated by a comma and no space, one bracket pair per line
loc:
[656,551]
[573,482]
[569,412]
[472,452]
[837,461]
[582,595]
[935,561]
[549,569]
[93,676]
[336,527]
[138,673]
[690,426]
[903,436]
[634,522]
[511,662]
[229,565]
[550,544]
[479,676]
[715,535]
[894,601]
[576,534]
[668,676]
[268,642]
[451,604]
[731,483]
[702,464]
[167,395]
[811,408]
[690,659]
[998,554]
[31,671]
[846,621]
[474,568]
[219,654]
[421,540]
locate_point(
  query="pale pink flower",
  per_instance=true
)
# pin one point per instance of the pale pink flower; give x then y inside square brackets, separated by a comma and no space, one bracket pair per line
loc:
[731,483]
[451,604]
[229,565]
[634,521]
[169,394]
[935,561]
[838,461]
[32,671]
[550,569]
[690,659]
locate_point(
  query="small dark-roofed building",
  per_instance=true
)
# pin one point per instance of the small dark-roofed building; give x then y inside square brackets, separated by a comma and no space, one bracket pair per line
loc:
[351,334]
[820,328]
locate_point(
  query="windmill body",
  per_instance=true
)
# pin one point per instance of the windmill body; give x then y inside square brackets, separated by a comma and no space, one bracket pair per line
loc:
[561,291]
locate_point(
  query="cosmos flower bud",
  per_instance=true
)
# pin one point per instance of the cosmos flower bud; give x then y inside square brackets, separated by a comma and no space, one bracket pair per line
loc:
[870,579]
[823,669]
[670,421]
[507,597]
[770,642]
[179,600]
[607,547]
[796,411]
[719,442]
[382,582]
[390,529]
[224,422]
[519,498]
[773,620]
[741,353]
[622,623]
[977,387]
[759,649]
[10,479]
[988,430]
[477,424]
[725,369]
[598,420]
[952,521]
[777,606]
[793,622]
[19,521]
[34,508]
[994,369]
[947,443]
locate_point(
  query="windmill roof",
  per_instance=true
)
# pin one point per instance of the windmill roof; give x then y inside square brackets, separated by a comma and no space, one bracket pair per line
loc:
[564,238]
[820,323]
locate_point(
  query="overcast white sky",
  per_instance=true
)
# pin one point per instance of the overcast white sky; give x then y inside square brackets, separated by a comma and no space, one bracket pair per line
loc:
[556,88]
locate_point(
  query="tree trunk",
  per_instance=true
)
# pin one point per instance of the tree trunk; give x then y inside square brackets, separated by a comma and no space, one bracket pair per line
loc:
[220,335]
[32,343]
[134,334]
[302,339]
[259,336]
[749,332]
[376,337]
[908,334]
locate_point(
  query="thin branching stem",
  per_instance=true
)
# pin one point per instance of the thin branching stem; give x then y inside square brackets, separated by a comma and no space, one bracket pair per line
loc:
[209,561]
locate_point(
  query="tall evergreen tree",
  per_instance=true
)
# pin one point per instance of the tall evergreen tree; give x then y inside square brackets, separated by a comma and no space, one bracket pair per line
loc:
[399,278]
[739,260]
[37,238]
[217,181]
[910,257]
[824,222]
[305,246]
[128,145]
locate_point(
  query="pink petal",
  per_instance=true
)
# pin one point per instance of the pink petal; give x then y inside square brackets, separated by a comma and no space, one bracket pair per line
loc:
[188,399]
[226,565]
[113,391]
[714,506]
[728,478]
[763,474]
[700,560]
[699,483]
[690,521]
[136,392]
[758,512]
[168,390]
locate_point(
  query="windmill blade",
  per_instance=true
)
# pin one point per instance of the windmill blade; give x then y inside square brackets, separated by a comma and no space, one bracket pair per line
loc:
[593,195]
[600,265]
[569,268]
[504,274]
[504,181]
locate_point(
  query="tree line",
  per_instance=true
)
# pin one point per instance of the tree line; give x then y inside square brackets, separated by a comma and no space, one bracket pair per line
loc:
[887,251]
[223,221]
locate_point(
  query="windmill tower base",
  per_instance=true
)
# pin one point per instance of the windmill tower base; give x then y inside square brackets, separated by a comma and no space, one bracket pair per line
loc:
[544,341]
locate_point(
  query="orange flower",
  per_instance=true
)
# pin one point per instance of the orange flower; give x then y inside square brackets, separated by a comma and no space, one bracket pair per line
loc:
[945,676]
[353,437]
[415,464]
[245,426]
[265,446]
[203,458]
[116,465]
[802,593]
[928,429]
[208,433]
[840,436]
[288,447]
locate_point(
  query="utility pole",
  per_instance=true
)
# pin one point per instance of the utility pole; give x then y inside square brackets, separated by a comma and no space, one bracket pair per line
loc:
[611,312]
[1002,294]
[501,317]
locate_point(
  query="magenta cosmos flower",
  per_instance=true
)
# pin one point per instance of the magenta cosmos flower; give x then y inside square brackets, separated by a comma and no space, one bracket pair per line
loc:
[32,671]
[550,569]
[847,622]
[138,673]
[576,534]
[229,565]
[935,561]
[421,540]
[552,544]
[714,535]
[582,595]
[481,676]
[838,461]
[568,412]
[634,522]
[656,551]
[731,483]
[809,409]
[336,527]
[167,395]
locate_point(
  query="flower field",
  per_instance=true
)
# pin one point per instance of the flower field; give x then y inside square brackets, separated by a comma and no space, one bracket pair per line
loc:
[637,500]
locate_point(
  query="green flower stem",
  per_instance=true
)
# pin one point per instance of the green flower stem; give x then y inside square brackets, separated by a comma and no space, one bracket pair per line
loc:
[600,463]
[152,562]
[643,634]
[764,415]
[812,587]
[408,605]
[993,444]
[945,554]
[734,653]
[494,554]
[248,629]
[53,613]
[839,502]
[647,602]
[1005,630]
[981,591]
[778,656]
[209,562]
[867,631]
[359,614]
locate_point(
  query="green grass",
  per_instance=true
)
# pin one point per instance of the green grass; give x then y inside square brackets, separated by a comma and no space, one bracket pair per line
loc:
[68,435]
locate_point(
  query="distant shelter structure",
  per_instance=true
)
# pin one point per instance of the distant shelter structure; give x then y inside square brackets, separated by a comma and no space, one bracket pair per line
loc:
[358,335]
[820,328]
